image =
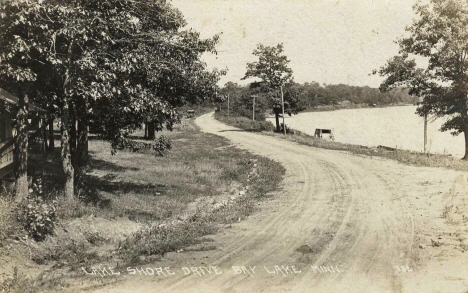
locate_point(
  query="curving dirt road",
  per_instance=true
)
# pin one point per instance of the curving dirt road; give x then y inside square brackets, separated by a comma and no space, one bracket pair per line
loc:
[346,223]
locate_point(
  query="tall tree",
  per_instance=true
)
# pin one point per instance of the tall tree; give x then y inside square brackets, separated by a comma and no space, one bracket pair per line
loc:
[272,68]
[439,35]
[21,150]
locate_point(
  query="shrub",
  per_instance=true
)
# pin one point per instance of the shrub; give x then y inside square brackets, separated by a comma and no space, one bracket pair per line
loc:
[134,146]
[38,218]
[288,130]
[162,145]
[265,126]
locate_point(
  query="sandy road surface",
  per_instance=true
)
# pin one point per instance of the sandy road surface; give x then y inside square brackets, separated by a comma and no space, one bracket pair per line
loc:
[362,215]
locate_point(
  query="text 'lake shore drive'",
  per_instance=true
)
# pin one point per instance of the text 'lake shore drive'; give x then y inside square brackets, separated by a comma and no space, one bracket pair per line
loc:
[280,270]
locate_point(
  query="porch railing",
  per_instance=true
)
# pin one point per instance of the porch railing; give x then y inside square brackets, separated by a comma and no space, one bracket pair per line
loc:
[6,153]
[7,148]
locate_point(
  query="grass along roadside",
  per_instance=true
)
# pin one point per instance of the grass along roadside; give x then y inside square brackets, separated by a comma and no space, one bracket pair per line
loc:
[136,207]
[402,156]
[244,123]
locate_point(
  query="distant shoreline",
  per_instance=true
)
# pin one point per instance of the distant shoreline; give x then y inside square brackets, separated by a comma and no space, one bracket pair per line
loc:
[336,108]
[360,106]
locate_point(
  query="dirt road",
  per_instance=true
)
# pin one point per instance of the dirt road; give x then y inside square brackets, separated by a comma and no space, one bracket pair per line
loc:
[346,223]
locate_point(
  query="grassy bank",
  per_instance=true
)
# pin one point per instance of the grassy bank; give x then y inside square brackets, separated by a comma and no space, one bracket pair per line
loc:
[403,156]
[244,123]
[135,206]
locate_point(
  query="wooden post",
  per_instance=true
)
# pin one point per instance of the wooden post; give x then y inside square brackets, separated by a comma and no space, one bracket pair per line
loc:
[253,109]
[51,128]
[2,127]
[425,132]
[282,106]
[43,125]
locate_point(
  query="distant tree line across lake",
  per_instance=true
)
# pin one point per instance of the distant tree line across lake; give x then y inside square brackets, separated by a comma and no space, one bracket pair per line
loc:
[310,96]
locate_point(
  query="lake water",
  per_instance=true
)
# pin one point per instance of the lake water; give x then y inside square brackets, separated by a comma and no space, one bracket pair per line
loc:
[393,127]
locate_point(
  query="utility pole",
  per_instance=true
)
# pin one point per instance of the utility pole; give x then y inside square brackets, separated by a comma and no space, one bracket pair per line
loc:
[228,105]
[253,108]
[282,106]
[425,132]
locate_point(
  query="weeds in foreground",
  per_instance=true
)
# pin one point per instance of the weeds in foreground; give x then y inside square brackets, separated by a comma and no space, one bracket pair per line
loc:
[8,221]
[21,283]
[18,283]
[161,239]
[70,251]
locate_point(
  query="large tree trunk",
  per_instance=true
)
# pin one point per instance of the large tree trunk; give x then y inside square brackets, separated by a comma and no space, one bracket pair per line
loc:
[61,128]
[65,139]
[151,130]
[466,141]
[51,135]
[72,137]
[21,151]
[66,152]
[44,135]
[278,129]
[82,151]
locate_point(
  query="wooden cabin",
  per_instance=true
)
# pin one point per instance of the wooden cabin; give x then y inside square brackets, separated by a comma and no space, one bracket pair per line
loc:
[8,103]
[8,109]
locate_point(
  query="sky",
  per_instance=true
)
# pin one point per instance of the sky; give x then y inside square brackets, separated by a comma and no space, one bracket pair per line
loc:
[327,41]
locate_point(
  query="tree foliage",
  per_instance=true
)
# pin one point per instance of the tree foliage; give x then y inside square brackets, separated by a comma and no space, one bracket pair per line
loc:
[112,63]
[273,70]
[440,36]
[271,67]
